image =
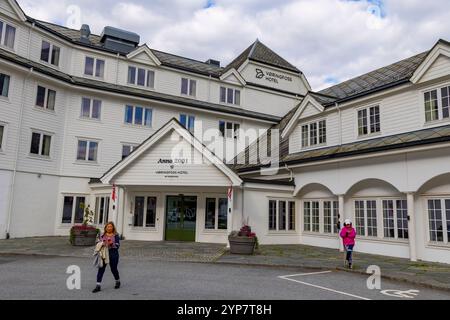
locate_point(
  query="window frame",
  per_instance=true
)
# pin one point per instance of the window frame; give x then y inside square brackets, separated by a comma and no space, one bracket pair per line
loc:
[91,109]
[307,136]
[88,141]
[288,203]
[133,116]
[9,86]
[132,146]
[51,53]
[74,196]
[3,137]
[369,123]
[395,218]
[235,132]
[94,67]
[136,77]
[216,198]
[106,208]
[334,217]
[3,35]
[190,81]
[440,106]
[45,106]
[146,196]
[444,220]
[41,134]
[188,117]
[227,98]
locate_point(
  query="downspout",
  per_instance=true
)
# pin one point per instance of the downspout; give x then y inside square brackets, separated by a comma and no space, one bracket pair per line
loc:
[11,192]
[291,172]
[117,68]
[340,122]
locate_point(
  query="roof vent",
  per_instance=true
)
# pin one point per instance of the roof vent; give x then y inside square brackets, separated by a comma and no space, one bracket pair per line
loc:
[85,32]
[213,62]
[119,40]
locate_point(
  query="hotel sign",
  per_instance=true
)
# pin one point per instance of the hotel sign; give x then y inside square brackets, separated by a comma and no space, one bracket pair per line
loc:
[171,171]
[271,76]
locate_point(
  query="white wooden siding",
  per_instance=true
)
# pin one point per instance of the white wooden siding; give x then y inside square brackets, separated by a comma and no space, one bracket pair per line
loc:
[440,68]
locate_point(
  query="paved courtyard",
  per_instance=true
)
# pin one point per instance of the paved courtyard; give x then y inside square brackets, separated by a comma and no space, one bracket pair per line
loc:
[432,275]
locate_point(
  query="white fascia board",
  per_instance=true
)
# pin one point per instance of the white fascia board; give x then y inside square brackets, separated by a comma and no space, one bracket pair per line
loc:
[144,49]
[438,50]
[236,74]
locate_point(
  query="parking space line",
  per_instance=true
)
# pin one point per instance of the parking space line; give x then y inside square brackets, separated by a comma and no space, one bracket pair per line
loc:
[317,286]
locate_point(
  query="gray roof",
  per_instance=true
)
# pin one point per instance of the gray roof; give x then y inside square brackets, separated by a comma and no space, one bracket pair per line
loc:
[378,79]
[261,53]
[398,141]
[141,93]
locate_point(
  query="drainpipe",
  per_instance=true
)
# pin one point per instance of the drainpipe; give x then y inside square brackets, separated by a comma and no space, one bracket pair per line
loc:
[291,172]
[340,122]
[11,191]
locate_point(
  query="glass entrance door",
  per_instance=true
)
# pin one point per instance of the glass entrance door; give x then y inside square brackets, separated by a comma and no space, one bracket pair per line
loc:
[181,217]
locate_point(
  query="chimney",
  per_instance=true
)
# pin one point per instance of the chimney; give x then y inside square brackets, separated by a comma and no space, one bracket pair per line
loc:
[85,32]
[213,62]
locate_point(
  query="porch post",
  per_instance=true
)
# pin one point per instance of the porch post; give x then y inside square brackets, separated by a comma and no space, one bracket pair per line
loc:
[342,217]
[411,227]
[230,213]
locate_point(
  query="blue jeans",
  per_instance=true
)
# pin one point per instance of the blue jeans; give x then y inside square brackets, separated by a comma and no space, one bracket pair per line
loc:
[113,263]
[349,251]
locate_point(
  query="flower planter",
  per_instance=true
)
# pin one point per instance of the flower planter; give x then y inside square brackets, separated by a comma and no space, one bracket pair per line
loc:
[242,245]
[83,236]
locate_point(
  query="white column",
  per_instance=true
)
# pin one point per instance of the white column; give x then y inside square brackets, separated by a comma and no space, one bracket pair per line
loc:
[342,217]
[412,227]
[230,215]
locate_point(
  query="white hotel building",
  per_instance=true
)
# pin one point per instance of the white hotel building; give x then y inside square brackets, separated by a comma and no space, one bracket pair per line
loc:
[73,107]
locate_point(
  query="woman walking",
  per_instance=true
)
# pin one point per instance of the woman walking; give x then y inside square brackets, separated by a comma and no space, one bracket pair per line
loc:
[348,235]
[110,240]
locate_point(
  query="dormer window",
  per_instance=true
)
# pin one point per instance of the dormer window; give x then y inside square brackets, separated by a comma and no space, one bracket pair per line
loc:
[230,96]
[314,134]
[141,77]
[369,121]
[50,53]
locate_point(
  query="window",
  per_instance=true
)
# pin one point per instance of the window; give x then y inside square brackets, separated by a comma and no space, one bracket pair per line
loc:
[229,95]
[437,104]
[216,214]
[45,98]
[127,149]
[395,219]
[311,216]
[189,87]
[369,121]
[91,108]
[40,144]
[141,77]
[229,129]
[73,209]
[281,215]
[439,220]
[101,210]
[188,122]
[145,212]
[2,131]
[50,53]
[139,116]
[4,85]
[94,67]
[445,96]
[314,134]
[87,150]
[366,217]
[7,35]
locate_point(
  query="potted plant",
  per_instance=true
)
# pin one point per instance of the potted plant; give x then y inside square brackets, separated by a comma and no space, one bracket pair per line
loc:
[244,241]
[85,234]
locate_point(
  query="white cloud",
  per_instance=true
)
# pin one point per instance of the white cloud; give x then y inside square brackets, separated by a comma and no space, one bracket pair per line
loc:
[326,39]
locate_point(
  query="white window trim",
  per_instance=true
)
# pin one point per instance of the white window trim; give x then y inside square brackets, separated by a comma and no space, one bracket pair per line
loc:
[91,109]
[132,145]
[4,137]
[234,123]
[88,140]
[188,116]
[277,216]
[93,76]
[318,145]
[369,123]
[144,222]
[147,70]
[74,195]
[45,107]
[50,56]
[216,216]
[441,118]
[189,80]
[430,243]
[321,231]
[394,199]
[5,22]
[41,143]
[133,124]
[97,214]
[234,96]
[6,99]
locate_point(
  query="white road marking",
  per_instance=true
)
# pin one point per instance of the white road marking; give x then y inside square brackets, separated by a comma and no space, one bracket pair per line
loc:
[408,294]
[319,287]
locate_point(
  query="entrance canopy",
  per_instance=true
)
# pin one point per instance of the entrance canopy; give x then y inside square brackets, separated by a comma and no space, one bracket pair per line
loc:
[172,157]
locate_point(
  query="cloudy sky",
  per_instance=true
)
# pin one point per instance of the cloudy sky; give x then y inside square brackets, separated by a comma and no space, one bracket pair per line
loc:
[329,40]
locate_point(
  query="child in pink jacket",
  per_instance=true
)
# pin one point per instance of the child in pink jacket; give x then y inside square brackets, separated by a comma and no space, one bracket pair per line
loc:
[348,235]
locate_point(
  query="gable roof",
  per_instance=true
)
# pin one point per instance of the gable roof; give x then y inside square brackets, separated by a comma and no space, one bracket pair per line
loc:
[259,52]
[175,125]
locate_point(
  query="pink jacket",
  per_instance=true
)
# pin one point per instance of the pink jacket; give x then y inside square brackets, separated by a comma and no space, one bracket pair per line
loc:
[348,236]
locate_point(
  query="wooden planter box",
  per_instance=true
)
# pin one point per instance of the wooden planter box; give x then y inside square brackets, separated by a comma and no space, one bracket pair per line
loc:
[83,237]
[242,245]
